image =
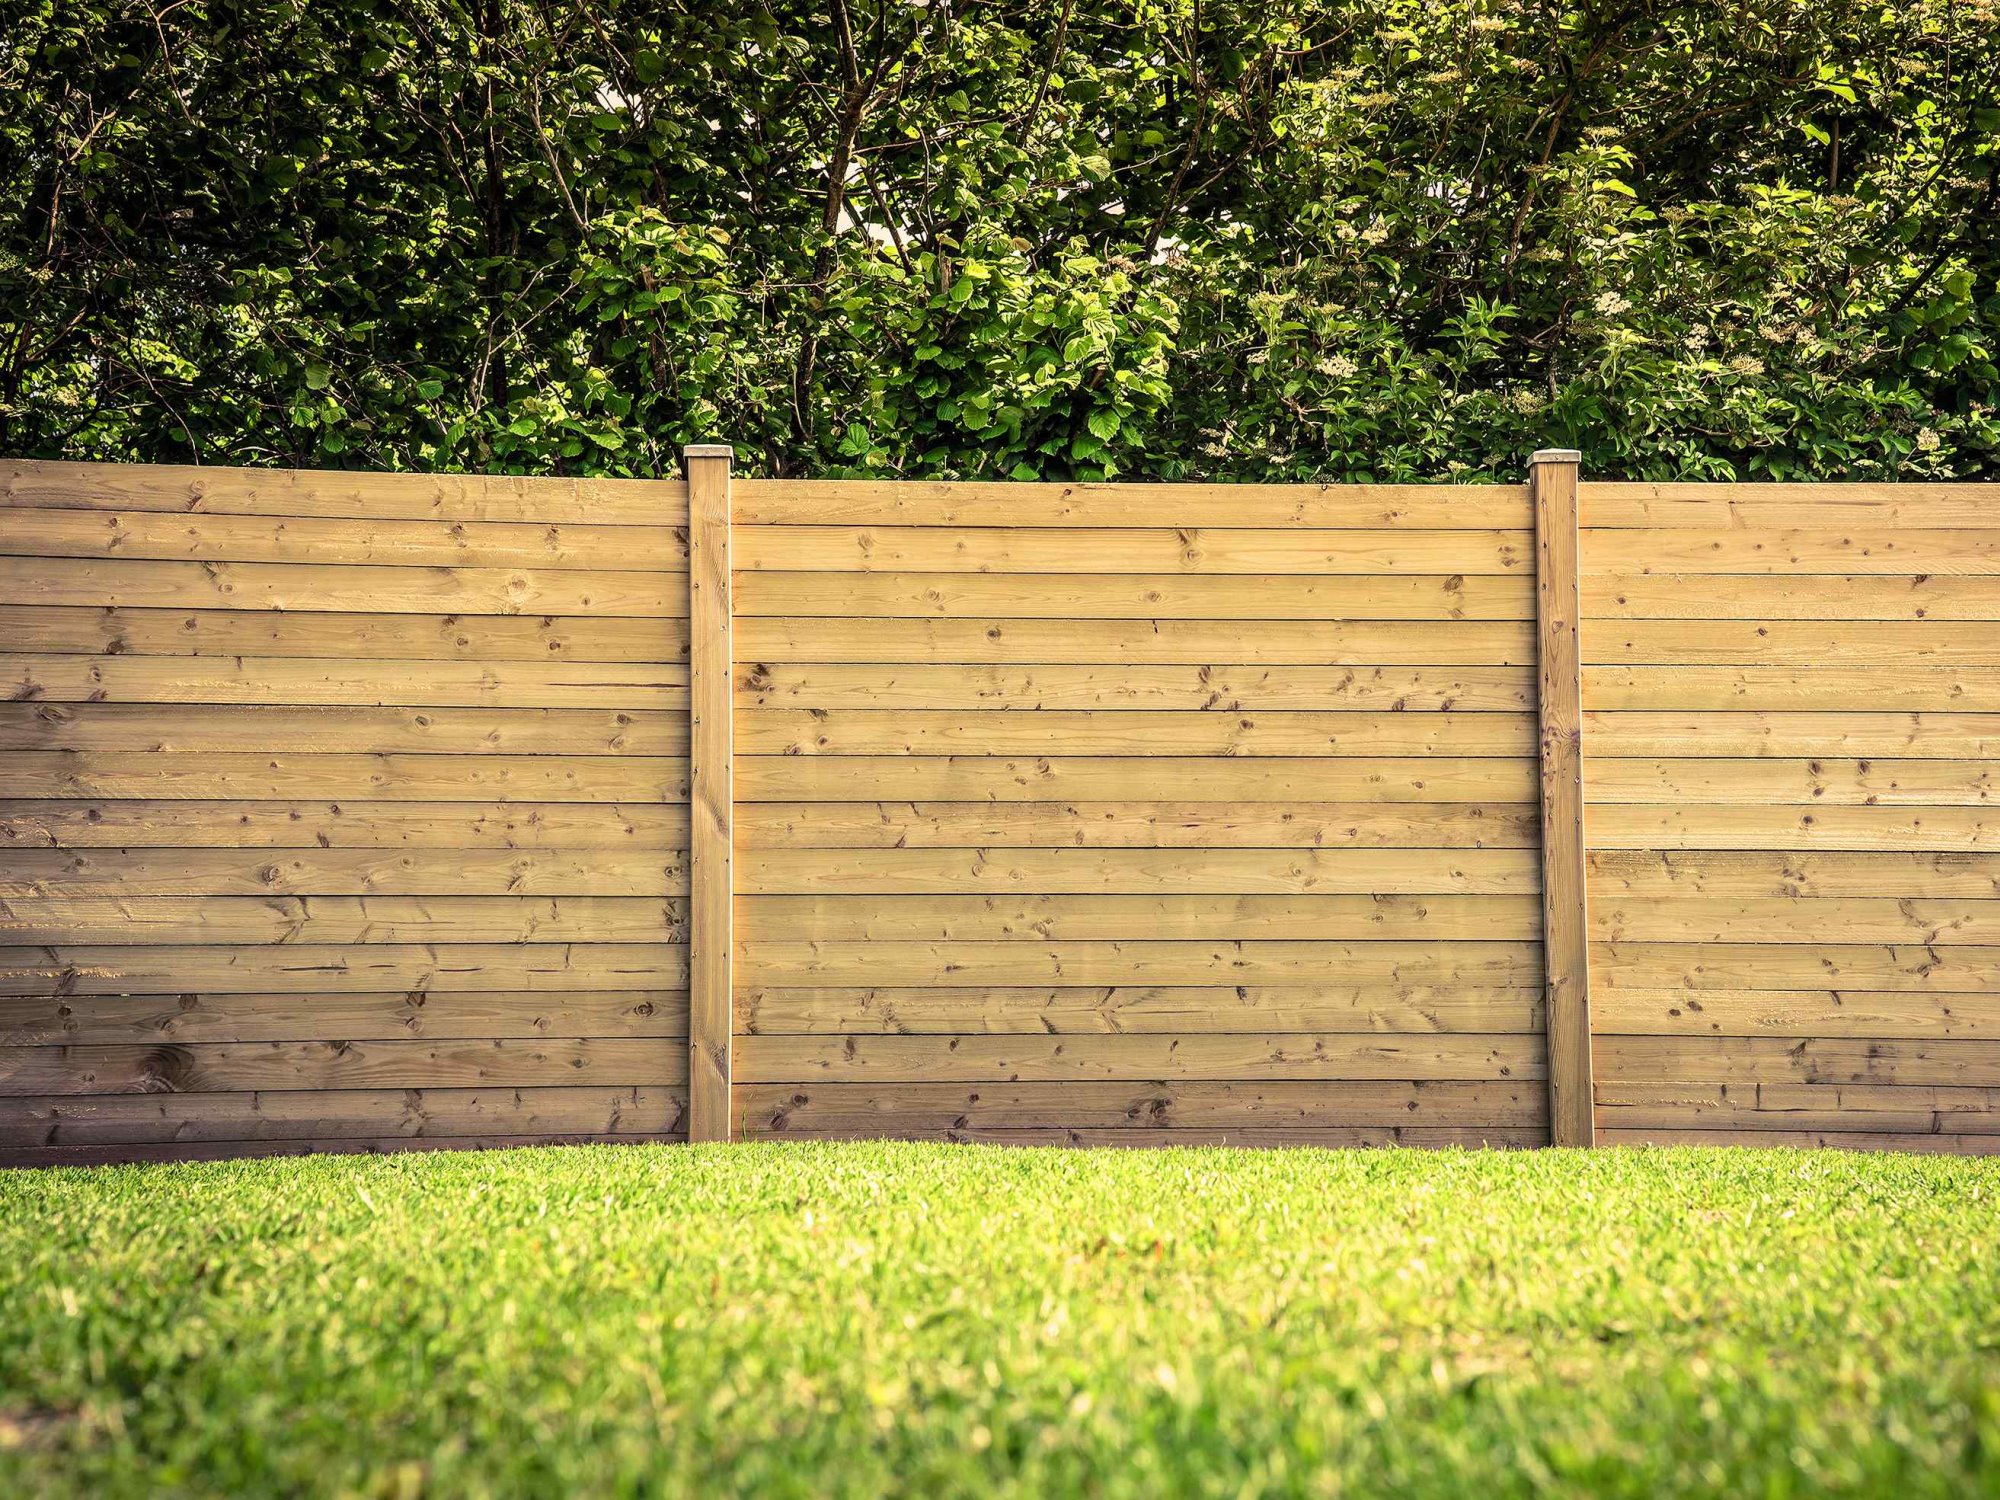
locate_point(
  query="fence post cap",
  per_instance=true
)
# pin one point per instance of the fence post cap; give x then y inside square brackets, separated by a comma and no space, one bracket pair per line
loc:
[1556,456]
[709,450]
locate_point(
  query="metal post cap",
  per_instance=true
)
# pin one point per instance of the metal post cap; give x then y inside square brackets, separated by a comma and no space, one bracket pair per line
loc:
[1557,456]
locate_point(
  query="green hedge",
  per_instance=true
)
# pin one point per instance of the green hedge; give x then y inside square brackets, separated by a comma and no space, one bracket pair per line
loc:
[1339,239]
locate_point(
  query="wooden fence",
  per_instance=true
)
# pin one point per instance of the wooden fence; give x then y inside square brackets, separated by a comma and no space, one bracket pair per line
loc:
[361,811]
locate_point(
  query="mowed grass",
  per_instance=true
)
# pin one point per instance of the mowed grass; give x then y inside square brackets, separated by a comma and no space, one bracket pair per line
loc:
[854,1320]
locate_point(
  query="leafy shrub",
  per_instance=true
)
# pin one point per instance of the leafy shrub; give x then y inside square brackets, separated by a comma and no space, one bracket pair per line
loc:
[1337,239]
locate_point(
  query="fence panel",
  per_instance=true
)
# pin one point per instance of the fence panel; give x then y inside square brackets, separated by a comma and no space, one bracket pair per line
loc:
[339,810]
[351,811]
[1795,857]
[1137,813]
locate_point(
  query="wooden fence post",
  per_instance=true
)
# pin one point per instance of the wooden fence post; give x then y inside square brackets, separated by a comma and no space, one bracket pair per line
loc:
[1552,481]
[711,997]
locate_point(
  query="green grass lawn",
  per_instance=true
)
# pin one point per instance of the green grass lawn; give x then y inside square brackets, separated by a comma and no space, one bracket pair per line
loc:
[787,1320]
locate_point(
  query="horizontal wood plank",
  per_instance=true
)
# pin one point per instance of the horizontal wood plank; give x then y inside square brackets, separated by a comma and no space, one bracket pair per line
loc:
[1853,551]
[177,729]
[331,920]
[1812,1060]
[1915,736]
[1082,871]
[1048,919]
[1170,687]
[1858,595]
[340,969]
[1616,826]
[310,539]
[855,778]
[1651,874]
[1910,688]
[40,1021]
[1320,1137]
[35,631]
[1613,1134]
[775,1010]
[348,824]
[1767,506]
[321,588]
[1793,643]
[929,732]
[503,778]
[1827,782]
[790,1108]
[225,1067]
[1134,596]
[1783,966]
[961,503]
[1795,1013]
[418,1116]
[924,1059]
[68,873]
[1936,922]
[208,490]
[214,682]
[991,965]
[772,639]
[1153,549]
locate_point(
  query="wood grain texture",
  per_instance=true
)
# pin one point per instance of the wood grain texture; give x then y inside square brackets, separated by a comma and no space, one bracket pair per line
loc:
[962,504]
[423,637]
[331,920]
[1918,736]
[930,732]
[1266,1009]
[41,1021]
[1151,549]
[319,682]
[1369,872]
[1877,689]
[1801,1013]
[1848,596]
[769,639]
[1651,874]
[1766,506]
[321,588]
[791,1108]
[72,872]
[228,1067]
[618,828]
[69,774]
[325,792]
[1275,779]
[190,490]
[986,919]
[314,1117]
[372,542]
[1125,824]
[175,729]
[713,803]
[352,812]
[1793,643]
[1850,551]
[1135,596]
[1658,826]
[924,1059]
[1565,923]
[776,961]
[1155,687]
[344,968]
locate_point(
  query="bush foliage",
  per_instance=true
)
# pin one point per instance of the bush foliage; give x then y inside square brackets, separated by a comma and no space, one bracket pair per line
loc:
[1179,239]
